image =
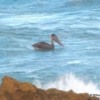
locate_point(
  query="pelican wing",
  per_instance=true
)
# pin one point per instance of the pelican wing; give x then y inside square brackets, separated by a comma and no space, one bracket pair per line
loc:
[42,45]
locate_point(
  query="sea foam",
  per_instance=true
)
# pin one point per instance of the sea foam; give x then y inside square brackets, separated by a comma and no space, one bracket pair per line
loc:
[71,82]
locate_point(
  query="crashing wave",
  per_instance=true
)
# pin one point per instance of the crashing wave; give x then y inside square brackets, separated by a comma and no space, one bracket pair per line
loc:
[70,82]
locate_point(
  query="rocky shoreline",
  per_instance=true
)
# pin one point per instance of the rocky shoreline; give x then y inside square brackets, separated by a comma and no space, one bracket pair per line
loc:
[11,89]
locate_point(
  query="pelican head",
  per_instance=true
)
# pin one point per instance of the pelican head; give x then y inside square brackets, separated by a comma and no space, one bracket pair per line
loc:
[55,38]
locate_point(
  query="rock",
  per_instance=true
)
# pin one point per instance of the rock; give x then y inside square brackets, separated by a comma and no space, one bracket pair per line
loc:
[10,85]
[10,89]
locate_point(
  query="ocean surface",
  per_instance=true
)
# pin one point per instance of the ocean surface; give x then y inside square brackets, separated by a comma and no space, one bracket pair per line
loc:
[76,66]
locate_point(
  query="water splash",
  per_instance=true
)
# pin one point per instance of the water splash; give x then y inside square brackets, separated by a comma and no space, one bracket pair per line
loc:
[71,82]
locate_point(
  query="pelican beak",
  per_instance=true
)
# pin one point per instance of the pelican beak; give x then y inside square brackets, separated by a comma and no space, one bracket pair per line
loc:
[57,40]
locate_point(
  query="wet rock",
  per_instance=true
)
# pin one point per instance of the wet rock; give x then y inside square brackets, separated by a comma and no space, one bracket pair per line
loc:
[11,89]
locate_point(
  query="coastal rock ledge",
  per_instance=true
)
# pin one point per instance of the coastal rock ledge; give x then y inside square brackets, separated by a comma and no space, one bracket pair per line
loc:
[10,89]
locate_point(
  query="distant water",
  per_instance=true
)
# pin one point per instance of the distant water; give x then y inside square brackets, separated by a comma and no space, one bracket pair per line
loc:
[76,23]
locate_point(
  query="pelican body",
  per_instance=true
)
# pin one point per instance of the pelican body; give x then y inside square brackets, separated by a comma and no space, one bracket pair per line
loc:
[47,46]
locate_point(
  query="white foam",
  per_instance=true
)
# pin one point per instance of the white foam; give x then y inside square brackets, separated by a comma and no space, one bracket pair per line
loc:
[71,82]
[22,19]
[75,62]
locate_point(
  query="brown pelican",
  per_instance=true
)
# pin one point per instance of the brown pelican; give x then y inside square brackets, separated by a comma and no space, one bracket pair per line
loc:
[46,46]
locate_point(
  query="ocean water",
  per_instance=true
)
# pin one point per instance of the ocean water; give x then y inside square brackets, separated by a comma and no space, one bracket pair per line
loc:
[76,66]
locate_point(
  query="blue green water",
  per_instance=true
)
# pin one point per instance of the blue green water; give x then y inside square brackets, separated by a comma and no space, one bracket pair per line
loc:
[75,66]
